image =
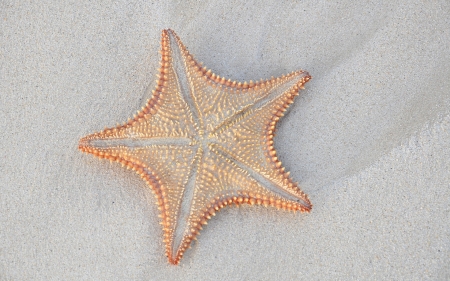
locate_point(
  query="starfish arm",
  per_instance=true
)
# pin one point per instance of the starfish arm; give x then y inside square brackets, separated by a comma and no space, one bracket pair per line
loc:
[220,182]
[218,99]
[249,139]
[166,115]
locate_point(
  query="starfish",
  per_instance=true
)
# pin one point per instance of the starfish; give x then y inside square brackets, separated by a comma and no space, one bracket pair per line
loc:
[203,142]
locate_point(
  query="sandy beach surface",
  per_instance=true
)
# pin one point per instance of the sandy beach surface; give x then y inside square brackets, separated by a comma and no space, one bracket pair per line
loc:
[368,140]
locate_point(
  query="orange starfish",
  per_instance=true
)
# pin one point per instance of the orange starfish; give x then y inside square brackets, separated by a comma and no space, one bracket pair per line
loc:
[203,142]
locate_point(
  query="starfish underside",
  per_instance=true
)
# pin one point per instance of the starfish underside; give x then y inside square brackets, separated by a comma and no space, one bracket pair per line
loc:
[203,142]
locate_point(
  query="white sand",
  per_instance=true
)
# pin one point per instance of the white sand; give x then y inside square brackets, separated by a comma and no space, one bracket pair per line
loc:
[368,140]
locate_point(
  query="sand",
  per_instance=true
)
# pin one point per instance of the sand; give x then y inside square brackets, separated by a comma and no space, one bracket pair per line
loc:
[368,140]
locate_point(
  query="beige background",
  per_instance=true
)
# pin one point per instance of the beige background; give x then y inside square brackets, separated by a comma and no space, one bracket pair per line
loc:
[368,139]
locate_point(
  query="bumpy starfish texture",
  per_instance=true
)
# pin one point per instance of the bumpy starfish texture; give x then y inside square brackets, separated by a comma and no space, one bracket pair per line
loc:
[203,142]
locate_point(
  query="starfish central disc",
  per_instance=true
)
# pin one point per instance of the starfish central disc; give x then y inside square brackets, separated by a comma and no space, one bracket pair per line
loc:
[203,142]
